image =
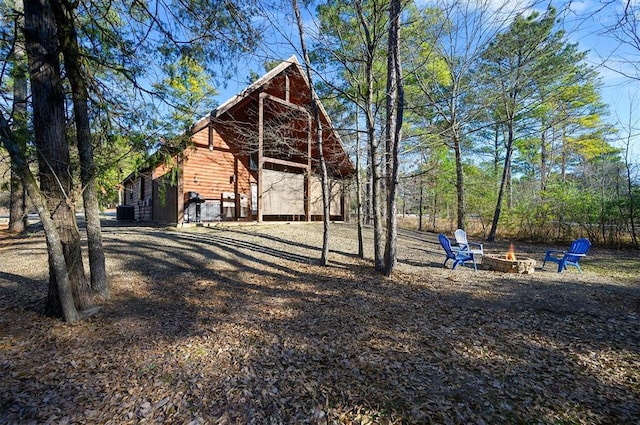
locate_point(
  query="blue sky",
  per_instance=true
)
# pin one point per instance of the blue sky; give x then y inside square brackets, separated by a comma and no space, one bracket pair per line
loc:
[588,23]
[585,22]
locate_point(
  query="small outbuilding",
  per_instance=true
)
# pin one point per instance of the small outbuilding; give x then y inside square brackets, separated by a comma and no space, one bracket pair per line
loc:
[253,158]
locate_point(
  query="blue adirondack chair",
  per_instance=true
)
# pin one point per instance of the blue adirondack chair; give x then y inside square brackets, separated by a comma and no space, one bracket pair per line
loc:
[457,256]
[578,249]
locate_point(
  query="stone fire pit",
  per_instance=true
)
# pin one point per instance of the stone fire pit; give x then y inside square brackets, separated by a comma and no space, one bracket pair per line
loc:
[501,264]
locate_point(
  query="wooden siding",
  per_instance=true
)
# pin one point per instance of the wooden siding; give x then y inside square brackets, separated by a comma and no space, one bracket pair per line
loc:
[213,172]
[278,87]
[165,201]
[289,86]
[163,169]
[138,192]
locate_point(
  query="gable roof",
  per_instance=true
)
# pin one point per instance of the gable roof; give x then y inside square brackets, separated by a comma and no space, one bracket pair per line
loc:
[291,62]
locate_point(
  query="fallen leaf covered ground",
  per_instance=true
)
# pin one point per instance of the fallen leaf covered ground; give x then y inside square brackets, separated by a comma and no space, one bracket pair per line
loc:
[238,324]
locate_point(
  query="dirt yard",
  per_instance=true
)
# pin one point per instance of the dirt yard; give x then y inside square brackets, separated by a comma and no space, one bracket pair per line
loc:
[239,325]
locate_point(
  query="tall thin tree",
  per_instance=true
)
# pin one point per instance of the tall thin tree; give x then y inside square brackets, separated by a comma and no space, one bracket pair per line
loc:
[53,152]
[55,248]
[68,39]
[353,34]
[315,111]
[18,218]
[359,190]
[395,107]
[510,64]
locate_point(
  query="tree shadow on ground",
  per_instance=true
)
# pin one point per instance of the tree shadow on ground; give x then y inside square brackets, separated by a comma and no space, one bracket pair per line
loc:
[249,328]
[390,328]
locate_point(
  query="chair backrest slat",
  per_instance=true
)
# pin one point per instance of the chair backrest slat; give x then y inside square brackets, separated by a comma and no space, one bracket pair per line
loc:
[461,237]
[579,246]
[446,244]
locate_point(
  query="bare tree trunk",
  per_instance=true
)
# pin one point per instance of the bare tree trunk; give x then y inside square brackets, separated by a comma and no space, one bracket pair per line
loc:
[55,247]
[421,203]
[53,152]
[68,39]
[461,213]
[509,186]
[375,195]
[503,185]
[543,159]
[496,150]
[434,211]
[359,191]
[395,104]
[368,185]
[324,257]
[563,155]
[632,210]
[371,45]
[629,187]
[18,219]
[602,206]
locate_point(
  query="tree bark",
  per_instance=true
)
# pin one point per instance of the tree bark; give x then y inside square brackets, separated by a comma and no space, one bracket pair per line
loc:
[368,187]
[629,182]
[324,178]
[563,155]
[68,40]
[395,103]
[359,191]
[53,153]
[18,219]
[503,184]
[461,213]
[55,248]
[373,145]
[421,204]
[543,158]
[375,192]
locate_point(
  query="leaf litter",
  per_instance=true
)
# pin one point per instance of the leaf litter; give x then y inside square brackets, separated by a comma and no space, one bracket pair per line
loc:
[238,324]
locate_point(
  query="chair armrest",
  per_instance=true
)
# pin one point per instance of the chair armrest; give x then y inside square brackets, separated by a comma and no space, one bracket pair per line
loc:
[476,244]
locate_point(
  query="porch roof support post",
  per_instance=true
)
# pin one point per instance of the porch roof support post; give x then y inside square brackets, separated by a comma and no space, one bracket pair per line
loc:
[260,151]
[308,179]
[180,194]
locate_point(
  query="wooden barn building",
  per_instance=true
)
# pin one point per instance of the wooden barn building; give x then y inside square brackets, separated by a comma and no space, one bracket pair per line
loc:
[253,158]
